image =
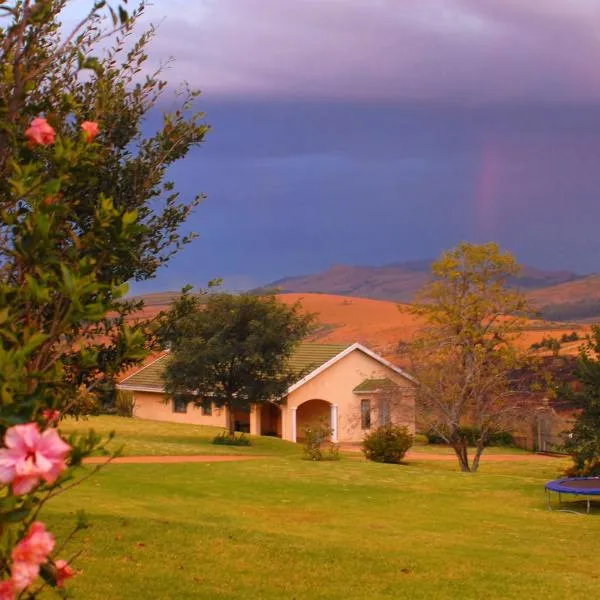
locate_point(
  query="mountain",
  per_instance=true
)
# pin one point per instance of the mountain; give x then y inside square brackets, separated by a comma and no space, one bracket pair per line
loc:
[398,282]
[573,300]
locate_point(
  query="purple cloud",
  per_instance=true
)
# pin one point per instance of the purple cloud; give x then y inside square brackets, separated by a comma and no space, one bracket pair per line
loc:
[386,50]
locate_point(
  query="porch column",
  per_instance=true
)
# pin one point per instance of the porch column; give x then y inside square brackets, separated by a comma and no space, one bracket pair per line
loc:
[293,417]
[255,420]
[334,422]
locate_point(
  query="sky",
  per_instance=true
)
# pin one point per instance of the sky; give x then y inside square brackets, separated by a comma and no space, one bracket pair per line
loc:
[376,131]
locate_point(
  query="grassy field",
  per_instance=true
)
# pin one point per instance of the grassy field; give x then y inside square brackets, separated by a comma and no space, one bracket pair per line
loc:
[138,437]
[279,527]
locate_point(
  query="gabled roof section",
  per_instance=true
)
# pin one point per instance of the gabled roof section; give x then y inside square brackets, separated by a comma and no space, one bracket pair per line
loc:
[343,354]
[148,378]
[309,357]
[314,358]
[374,386]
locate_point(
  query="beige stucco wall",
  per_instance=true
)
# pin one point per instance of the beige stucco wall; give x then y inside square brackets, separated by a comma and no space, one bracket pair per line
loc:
[151,405]
[335,386]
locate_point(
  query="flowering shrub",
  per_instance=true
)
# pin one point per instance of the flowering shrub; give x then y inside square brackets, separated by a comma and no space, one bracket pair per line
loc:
[80,216]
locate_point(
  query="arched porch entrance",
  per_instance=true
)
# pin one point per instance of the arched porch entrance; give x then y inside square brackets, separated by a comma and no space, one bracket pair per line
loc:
[313,413]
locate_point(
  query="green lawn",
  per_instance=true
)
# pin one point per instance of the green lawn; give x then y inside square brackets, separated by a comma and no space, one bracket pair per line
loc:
[283,528]
[139,437]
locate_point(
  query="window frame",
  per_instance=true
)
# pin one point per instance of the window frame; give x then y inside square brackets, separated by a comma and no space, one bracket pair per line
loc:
[177,406]
[366,418]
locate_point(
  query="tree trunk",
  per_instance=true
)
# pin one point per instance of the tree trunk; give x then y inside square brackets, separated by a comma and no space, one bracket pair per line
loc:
[478,453]
[231,420]
[460,448]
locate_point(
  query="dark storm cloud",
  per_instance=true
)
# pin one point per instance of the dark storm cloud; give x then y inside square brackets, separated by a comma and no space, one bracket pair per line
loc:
[374,131]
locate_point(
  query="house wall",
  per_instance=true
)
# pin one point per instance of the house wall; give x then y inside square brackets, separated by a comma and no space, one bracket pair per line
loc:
[335,386]
[151,405]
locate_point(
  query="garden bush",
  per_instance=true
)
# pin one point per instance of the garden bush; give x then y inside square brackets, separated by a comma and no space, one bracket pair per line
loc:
[226,439]
[498,438]
[318,445]
[420,439]
[387,444]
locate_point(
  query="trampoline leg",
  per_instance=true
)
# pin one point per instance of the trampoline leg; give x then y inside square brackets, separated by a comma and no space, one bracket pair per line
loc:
[548,504]
[559,498]
[588,505]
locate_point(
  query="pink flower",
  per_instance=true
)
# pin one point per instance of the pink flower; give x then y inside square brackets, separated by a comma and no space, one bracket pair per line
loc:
[90,130]
[63,572]
[30,456]
[51,415]
[24,574]
[35,547]
[7,590]
[40,132]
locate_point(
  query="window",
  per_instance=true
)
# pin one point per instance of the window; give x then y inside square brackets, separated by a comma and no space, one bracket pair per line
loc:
[365,414]
[180,405]
[207,410]
[384,412]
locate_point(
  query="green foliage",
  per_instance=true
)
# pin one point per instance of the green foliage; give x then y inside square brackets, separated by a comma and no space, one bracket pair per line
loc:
[553,344]
[583,441]
[81,214]
[233,348]
[472,435]
[465,358]
[387,444]
[317,444]
[420,439]
[124,403]
[227,439]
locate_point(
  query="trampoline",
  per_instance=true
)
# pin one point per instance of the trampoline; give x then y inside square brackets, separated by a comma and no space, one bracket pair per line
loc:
[576,486]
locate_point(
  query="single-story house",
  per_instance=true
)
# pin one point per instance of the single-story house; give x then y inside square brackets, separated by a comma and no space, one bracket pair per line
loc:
[350,389]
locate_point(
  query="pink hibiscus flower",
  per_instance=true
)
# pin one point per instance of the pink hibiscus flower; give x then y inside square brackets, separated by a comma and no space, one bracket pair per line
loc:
[50,415]
[24,574]
[90,129]
[40,132]
[7,590]
[63,572]
[30,456]
[35,546]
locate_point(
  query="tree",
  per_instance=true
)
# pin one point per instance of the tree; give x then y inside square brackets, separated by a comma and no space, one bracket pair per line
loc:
[233,350]
[465,358]
[71,80]
[583,441]
[78,183]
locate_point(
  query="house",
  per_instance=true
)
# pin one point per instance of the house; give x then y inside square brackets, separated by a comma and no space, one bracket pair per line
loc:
[350,389]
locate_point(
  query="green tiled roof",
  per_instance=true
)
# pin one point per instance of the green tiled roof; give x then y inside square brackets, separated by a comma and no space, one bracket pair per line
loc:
[309,357]
[305,359]
[149,376]
[374,385]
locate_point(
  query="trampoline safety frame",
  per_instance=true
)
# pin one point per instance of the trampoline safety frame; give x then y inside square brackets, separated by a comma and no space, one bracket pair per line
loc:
[588,487]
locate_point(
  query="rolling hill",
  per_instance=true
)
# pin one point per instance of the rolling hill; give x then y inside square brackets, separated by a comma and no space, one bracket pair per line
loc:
[379,324]
[574,300]
[397,281]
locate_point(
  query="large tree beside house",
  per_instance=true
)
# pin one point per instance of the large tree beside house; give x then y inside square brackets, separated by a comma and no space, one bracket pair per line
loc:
[231,350]
[466,359]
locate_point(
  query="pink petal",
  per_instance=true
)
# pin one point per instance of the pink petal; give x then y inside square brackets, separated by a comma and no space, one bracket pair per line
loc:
[24,484]
[22,437]
[52,445]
